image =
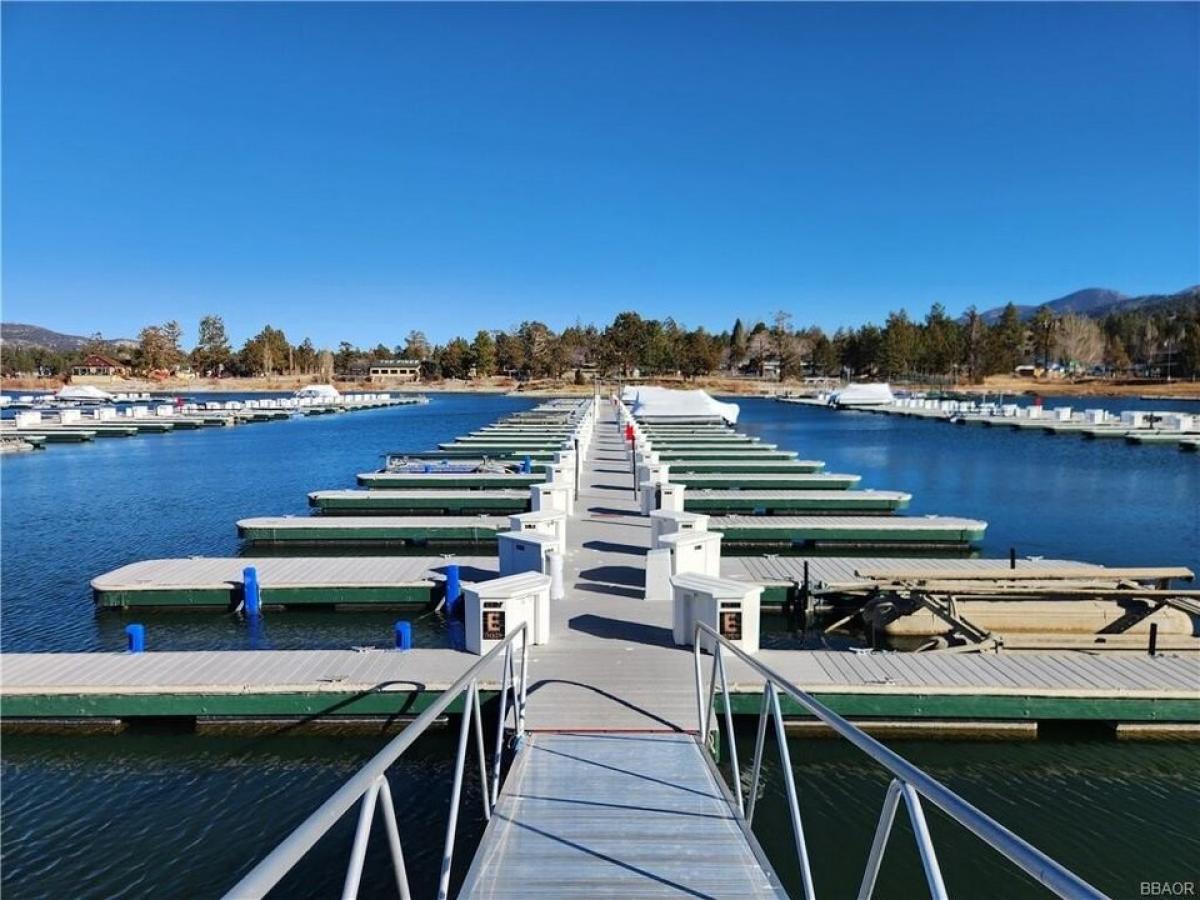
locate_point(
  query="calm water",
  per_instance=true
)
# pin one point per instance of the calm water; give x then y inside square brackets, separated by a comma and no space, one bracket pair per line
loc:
[184,815]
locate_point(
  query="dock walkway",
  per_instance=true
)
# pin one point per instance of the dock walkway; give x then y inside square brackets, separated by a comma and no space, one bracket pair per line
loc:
[641,793]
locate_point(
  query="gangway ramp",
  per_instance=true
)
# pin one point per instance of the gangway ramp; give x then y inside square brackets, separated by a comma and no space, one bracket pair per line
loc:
[617,815]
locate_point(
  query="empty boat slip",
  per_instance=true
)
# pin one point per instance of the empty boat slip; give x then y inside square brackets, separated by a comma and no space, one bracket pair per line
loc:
[371,529]
[400,502]
[758,502]
[864,530]
[450,480]
[285,581]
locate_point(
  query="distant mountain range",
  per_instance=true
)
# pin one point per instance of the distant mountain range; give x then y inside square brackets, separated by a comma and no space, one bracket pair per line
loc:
[1097,302]
[14,334]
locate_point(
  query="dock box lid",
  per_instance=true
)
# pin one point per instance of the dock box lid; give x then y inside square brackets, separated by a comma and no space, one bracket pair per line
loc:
[720,588]
[512,585]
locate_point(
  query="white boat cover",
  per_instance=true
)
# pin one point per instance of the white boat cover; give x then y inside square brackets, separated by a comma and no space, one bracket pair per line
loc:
[863,395]
[84,392]
[319,392]
[647,402]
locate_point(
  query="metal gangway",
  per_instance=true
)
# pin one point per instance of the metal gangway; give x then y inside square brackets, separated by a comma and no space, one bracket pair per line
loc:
[584,808]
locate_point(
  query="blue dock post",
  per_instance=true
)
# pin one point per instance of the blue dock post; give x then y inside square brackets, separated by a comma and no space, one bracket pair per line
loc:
[526,465]
[453,589]
[135,636]
[251,592]
[403,635]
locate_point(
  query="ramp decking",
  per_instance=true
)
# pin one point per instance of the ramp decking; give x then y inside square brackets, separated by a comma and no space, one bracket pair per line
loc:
[656,821]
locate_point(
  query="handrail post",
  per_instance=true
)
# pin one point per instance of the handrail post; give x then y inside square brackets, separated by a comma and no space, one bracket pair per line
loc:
[505,684]
[393,835]
[789,780]
[362,834]
[916,815]
[460,762]
[760,743]
[477,715]
[733,754]
[883,830]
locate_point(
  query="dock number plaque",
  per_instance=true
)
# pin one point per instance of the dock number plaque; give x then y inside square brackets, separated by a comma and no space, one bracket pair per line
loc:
[731,624]
[493,623]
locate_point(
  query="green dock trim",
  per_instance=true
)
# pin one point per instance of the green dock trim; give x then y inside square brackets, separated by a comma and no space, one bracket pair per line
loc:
[404,596]
[684,467]
[375,502]
[751,481]
[743,455]
[794,502]
[325,533]
[890,705]
[461,481]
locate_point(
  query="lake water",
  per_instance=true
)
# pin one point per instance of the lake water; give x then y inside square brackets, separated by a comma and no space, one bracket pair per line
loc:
[183,815]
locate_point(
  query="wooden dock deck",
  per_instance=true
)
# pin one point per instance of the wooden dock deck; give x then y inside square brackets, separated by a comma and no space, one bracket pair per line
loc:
[749,465]
[641,793]
[773,481]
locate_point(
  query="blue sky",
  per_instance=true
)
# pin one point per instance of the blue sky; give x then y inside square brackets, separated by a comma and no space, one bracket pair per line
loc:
[356,171]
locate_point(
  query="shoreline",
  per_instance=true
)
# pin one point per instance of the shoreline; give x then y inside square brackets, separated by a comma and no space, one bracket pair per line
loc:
[1187,390]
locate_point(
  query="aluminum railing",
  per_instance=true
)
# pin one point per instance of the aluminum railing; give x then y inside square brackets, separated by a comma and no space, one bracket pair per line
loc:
[370,784]
[909,783]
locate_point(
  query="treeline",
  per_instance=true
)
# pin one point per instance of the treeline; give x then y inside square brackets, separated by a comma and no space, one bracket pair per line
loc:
[1158,341]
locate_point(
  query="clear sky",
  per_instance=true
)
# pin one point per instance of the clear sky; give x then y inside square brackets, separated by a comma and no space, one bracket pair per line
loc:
[356,171]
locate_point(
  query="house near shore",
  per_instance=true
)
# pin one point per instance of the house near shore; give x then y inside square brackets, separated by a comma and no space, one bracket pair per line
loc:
[98,367]
[395,370]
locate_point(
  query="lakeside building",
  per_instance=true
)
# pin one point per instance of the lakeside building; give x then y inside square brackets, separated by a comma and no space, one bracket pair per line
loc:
[97,367]
[395,370]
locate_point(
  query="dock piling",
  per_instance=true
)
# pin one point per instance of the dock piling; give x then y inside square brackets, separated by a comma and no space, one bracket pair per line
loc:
[251,592]
[135,636]
[453,589]
[403,629]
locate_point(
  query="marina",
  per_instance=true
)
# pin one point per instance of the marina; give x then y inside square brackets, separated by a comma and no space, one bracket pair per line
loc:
[1133,426]
[607,669]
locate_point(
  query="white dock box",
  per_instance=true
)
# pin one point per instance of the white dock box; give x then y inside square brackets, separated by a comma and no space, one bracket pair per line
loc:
[731,608]
[70,416]
[654,473]
[496,608]
[1095,416]
[668,521]
[28,418]
[545,521]
[661,496]
[1133,418]
[524,551]
[693,551]
[552,496]
[164,409]
[1062,413]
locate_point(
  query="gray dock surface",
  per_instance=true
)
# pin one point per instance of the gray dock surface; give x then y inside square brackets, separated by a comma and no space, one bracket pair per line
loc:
[658,822]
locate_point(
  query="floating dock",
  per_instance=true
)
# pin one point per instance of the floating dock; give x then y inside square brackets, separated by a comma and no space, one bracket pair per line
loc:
[860,530]
[782,466]
[371,529]
[773,481]
[331,581]
[324,581]
[473,481]
[770,503]
[388,502]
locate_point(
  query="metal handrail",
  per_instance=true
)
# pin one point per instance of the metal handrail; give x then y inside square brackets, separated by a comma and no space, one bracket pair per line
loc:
[908,783]
[370,784]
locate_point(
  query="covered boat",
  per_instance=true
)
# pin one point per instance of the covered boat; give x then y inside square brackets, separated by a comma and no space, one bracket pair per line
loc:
[318,392]
[659,404]
[863,395]
[83,393]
